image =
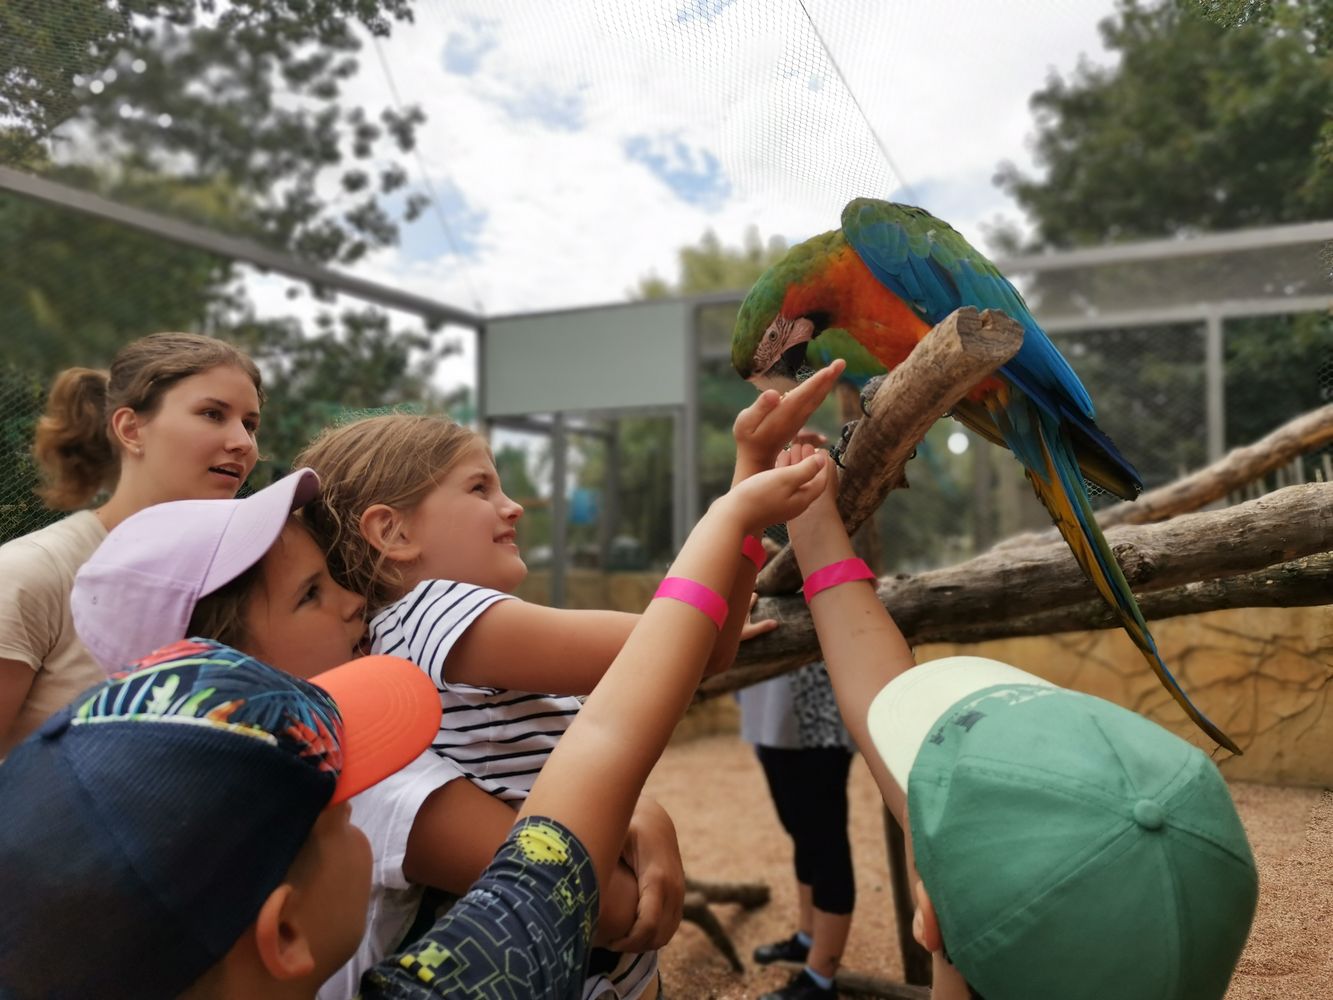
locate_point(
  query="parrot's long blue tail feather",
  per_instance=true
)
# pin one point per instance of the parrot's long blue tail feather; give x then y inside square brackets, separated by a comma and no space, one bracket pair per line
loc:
[1059,484]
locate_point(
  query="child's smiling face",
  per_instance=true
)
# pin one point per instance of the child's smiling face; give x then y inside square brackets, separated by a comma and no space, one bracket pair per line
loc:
[299,620]
[465,528]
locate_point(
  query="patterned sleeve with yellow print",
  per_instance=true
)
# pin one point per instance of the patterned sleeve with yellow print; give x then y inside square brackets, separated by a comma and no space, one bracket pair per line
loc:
[523,930]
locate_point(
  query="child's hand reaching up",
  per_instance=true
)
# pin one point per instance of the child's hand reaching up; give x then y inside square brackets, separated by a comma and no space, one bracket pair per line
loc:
[817,534]
[773,419]
[781,493]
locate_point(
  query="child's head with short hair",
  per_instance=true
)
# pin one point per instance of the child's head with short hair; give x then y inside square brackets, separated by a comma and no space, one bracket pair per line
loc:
[407,498]
[244,572]
[196,805]
[1066,845]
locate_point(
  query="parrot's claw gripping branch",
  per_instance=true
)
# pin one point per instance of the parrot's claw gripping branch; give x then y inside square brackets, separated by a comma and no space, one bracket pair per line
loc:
[962,350]
[868,392]
[838,450]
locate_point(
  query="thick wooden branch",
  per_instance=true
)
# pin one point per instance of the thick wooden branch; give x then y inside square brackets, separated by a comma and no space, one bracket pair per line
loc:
[1305,582]
[1237,468]
[952,358]
[1233,471]
[699,894]
[1264,553]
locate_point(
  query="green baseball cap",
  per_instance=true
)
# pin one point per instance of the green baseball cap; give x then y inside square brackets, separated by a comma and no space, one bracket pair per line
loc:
[1070,847]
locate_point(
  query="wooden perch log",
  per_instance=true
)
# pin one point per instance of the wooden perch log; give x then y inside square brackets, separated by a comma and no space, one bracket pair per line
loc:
[1306,582]
[1236,469]
[952,358]
[1253,554]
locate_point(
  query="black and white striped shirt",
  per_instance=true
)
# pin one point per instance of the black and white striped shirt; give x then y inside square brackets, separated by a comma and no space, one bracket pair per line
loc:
[499,738]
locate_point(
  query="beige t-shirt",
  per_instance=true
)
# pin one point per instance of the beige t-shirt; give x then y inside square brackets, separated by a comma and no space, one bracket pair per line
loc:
[36,576]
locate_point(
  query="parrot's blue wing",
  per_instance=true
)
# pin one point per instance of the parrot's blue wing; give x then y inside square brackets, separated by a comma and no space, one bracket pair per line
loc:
[927,264]
[1043,414]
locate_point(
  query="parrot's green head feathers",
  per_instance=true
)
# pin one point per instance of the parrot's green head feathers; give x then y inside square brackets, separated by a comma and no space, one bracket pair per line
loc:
[761,306]
[768,346]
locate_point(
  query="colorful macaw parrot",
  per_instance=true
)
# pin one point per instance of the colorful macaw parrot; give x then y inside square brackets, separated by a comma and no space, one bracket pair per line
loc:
[868,292]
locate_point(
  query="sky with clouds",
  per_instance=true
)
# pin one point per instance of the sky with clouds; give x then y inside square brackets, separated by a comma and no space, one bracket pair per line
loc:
[573,147]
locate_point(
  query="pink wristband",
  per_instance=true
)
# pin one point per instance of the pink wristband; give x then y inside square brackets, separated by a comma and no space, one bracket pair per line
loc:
[753,549]
[843,571]
[710,602]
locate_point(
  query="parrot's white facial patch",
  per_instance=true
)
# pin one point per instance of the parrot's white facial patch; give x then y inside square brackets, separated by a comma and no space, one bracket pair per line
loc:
[781,336]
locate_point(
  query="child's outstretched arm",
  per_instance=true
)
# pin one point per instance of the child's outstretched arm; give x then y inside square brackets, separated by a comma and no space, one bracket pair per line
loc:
[761,431]
[592,779]
[527,647]
[859,640]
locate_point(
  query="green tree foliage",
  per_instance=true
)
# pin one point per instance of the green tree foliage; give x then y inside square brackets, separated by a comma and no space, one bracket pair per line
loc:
[73,289]
[352,364]
[230,115]
[712,267]
[21,399]
[246,93]
[1197,127]
[1217,115]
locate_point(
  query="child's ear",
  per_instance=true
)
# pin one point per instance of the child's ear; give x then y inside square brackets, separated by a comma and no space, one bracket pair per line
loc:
[280,939]
[385,529]
[925,928]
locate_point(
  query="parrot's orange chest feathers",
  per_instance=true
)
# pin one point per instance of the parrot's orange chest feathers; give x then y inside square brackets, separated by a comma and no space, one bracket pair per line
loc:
[855,301]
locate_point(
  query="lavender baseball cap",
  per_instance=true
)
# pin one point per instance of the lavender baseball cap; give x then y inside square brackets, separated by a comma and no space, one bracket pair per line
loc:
[139,589]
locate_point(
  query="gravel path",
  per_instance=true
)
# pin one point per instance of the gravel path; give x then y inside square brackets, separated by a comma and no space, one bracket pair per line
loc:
[714,789]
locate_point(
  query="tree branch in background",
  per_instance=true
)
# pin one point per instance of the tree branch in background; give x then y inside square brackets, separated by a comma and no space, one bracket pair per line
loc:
[1270,552]
[1236,469]
[951,359]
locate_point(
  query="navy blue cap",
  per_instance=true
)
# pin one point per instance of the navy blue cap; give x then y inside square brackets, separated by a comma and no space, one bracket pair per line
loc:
[143,826]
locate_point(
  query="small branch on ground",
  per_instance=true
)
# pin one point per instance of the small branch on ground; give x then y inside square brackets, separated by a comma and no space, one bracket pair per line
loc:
[696,911]
[748,895]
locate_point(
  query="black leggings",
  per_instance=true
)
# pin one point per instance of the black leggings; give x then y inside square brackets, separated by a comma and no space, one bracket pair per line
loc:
[809,788]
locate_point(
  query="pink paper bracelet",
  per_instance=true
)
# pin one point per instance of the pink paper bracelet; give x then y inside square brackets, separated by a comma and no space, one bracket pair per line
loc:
[843,571]
[753,549]
[710,602]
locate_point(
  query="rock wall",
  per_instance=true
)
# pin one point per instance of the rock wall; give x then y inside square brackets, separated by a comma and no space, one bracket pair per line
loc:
[1264,675]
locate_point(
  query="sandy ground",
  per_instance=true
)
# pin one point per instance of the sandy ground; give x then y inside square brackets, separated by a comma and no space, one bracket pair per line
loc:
[714,789]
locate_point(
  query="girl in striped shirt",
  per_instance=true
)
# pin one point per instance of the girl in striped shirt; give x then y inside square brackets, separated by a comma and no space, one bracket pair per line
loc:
[412,515]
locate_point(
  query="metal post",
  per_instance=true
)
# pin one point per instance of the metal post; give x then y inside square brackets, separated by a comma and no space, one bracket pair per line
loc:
[1214,367]
[559,511]
[689,452]
[610,513]
[680,432]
